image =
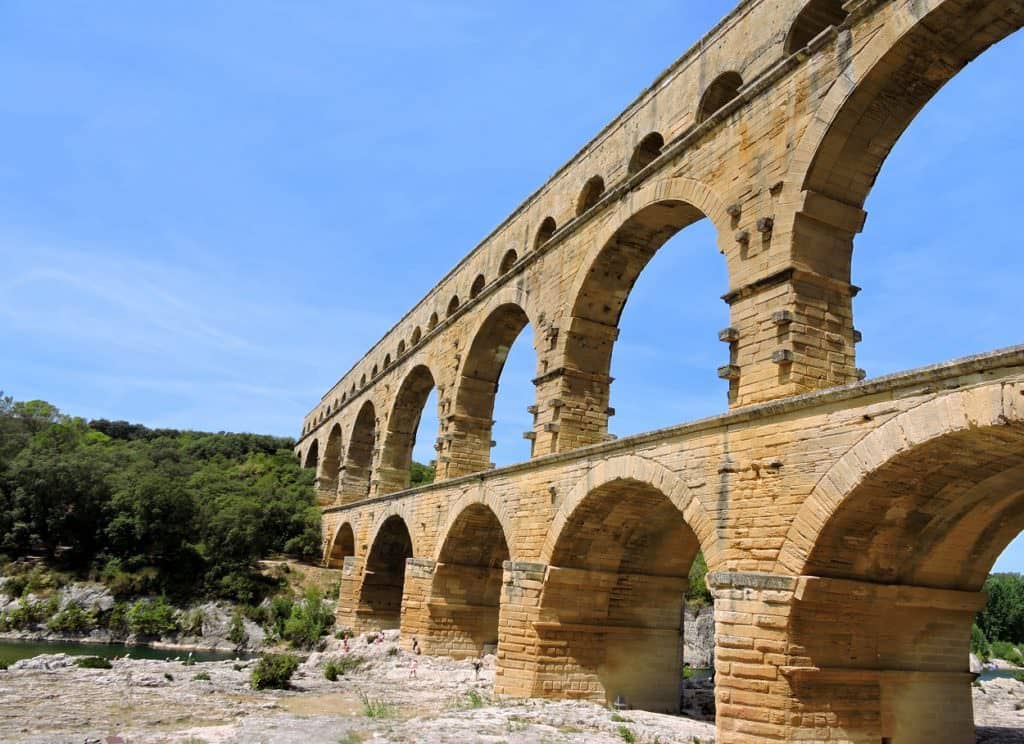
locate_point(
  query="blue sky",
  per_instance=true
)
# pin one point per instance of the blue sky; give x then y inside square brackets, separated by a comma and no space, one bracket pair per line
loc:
[209,211]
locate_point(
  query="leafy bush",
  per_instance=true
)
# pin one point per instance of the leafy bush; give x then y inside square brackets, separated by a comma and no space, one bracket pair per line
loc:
[376,708]
[340,667]
[278,612]
[979,643]
[192,622]
[475,700]
[15,586]
[274,671]
[627,734]
[202,676]
[1007,651]
[72,619]
[1002,617]
[93,662]
[25,615]
[308,621]
[698,595]
[116,621]
[236,633]
[152,618]
[393,651]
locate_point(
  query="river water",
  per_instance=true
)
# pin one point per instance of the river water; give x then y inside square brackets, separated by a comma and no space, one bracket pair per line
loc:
[12,651]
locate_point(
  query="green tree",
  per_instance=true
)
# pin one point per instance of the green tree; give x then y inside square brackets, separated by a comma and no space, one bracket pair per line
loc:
[57,490]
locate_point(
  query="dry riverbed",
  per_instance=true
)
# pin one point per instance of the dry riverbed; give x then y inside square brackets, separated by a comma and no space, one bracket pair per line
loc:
[48,700]
[162,701]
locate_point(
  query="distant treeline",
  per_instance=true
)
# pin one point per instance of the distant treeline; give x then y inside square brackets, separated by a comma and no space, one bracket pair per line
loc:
[183,513]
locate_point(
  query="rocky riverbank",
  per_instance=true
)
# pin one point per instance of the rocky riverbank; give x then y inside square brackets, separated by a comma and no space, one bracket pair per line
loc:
[414,698]
[392,696]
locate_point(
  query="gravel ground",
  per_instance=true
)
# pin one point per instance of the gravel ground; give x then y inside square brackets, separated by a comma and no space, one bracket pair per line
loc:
[49,700]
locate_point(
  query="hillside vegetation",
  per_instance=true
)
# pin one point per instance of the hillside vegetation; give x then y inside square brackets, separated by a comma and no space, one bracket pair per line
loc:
[151,511]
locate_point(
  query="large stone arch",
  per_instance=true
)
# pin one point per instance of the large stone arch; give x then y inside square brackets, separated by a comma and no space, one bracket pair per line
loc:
[890,551]
[630,237]
[970,410]
[402,427]
[641,470]
[464,591]
[341,546]
[482,496]
[392,543]
[357,474]
[470,420]
[329,469]
[311,457]
[884,84]
[619,553]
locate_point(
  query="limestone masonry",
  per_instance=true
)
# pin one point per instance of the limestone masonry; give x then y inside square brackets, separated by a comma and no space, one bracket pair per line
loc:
[848,525]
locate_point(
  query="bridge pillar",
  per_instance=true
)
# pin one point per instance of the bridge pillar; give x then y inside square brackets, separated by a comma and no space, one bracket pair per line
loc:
[451,609]
[808,659]
[593,635]
[467,446]
[571,410]
[345,615]
[415,621]
[901,652]
[518,645]
[793,334]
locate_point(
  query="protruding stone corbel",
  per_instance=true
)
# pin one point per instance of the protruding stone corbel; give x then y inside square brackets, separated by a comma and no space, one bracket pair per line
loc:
[729,372]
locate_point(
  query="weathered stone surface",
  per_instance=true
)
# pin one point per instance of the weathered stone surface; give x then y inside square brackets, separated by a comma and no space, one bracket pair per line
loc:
[847,525]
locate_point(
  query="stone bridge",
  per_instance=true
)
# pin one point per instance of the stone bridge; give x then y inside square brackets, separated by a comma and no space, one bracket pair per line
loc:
[848,525]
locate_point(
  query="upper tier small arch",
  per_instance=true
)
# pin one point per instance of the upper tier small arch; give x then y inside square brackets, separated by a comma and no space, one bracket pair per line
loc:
[723,89]
[645,153]
[816,16]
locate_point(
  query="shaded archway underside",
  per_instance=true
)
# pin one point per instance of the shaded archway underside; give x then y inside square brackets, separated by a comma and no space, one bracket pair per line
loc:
[465,590]
[380,594]
[470,424]
[402,427]
[610,615]
[938,515]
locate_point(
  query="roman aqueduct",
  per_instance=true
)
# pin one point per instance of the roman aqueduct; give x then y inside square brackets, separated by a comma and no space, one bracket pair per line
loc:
[848,524]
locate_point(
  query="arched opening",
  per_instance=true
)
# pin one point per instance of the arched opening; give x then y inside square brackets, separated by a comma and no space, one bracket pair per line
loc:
[356,478]
[327,485]
[666,346]
[313,454]
[469,447]
[645,153]
[380,597]
[403,427]
[417,334]
[508,261]
[362,381]
[478,286]
[591,193]
[344,545]
[466,590]
[401,349]
[432,322]
[893,582]
[816,16]
[373,372]
[723,89]
[630,548]
[453,305]
[544,232]
[387,362]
